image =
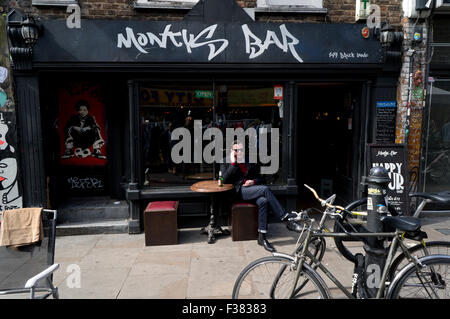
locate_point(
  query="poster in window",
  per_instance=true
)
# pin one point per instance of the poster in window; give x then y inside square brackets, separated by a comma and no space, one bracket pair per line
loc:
[81,125]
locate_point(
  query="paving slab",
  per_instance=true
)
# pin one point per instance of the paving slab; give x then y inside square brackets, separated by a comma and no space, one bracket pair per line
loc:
[121,266]
[145,286]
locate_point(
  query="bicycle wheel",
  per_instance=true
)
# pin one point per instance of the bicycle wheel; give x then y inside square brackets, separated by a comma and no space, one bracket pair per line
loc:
[317,248]
[351,224]
[429,282]
[257,279]
[433,247]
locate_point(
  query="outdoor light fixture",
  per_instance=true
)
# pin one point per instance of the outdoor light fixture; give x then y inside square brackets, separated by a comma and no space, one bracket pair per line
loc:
[30,31]
[390,40]
[389,36]
[23,33]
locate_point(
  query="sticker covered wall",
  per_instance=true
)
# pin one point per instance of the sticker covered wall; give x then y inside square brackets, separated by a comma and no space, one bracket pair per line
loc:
[10,195]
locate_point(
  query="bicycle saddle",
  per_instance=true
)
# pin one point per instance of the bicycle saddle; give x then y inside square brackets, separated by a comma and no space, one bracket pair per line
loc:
[442,197]
[404,223]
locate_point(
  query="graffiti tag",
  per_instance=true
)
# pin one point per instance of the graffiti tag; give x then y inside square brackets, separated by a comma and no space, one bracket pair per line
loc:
[85,183]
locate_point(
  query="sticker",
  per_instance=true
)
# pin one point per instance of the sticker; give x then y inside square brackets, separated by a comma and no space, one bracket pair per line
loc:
[3,98]
[374,191]
[3,74]
[369,203]
[365,32]
[278,92]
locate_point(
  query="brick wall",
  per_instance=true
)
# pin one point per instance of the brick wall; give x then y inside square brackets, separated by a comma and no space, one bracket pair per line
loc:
[343,11]
[339,11]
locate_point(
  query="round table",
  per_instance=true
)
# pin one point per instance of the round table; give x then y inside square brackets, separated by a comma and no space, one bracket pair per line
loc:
[211,187]
[200,176]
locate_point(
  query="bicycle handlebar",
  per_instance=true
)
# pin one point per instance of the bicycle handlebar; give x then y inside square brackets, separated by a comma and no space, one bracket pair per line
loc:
[322,201]
[303,215]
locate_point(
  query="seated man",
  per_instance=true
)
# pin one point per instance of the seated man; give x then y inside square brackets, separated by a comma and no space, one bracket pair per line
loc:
[246,180]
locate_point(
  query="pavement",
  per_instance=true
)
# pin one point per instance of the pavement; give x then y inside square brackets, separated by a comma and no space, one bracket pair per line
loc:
[120,266]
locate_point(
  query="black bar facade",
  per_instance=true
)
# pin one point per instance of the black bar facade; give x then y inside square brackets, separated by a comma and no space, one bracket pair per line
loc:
[125,56]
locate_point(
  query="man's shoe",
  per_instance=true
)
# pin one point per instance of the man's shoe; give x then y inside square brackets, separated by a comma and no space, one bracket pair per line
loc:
[291,225]
[287,216]
[267,246]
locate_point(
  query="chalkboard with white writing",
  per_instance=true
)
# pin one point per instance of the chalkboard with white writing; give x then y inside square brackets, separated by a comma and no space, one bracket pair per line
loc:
[386,112]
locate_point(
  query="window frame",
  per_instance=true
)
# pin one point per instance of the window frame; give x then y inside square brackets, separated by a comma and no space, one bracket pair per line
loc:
[53,2]
[165,4]
[309,6]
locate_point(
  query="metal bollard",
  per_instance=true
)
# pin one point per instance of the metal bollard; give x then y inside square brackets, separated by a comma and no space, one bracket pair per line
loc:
[377,184]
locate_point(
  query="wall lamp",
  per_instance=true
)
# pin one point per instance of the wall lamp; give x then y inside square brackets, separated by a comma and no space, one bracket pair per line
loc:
[390,40]
[23,33]
[389,36]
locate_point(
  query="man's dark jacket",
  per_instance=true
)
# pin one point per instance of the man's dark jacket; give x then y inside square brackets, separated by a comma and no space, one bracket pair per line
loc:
[232,174]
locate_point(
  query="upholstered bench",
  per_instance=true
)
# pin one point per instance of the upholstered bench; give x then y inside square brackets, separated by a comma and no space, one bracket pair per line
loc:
[244,221]
[160,223]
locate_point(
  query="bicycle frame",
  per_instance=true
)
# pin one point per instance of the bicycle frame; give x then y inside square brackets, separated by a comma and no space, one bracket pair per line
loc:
[317,233]
[311,234]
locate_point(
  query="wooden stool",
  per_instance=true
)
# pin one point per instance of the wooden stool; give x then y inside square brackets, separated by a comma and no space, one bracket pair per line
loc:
[160,223]
[244,221]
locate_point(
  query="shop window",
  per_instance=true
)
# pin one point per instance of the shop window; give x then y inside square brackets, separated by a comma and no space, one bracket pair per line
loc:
[164,108]
[441,41]
[437,148]
[165,4]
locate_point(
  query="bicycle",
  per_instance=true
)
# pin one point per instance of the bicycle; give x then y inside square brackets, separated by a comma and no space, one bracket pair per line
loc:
[290,276]
[355,222]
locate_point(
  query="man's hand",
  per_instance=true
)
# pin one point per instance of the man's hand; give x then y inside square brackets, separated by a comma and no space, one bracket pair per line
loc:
[250,182]
[233,157]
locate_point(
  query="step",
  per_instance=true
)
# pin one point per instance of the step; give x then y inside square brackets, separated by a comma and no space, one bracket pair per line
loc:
[92,209]
[92,227]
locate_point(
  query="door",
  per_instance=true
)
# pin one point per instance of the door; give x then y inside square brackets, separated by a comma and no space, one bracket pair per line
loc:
[328,138]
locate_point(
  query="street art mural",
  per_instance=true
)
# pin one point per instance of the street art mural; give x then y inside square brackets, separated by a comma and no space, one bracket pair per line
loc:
[81,125]
[10,197]
[82,138]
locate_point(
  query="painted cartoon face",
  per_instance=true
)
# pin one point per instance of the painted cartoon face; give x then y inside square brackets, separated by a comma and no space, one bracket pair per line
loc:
[3,131]
[8,172]
[83,111]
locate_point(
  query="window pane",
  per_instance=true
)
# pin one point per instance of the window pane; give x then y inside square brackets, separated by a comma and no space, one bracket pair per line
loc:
[162,110]
[441,29]
[252,107]
[441,56]
[165,110]
[437,165]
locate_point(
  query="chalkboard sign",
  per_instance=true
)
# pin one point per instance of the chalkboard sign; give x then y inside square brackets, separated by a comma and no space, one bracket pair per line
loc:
[386,112]
[393,157]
